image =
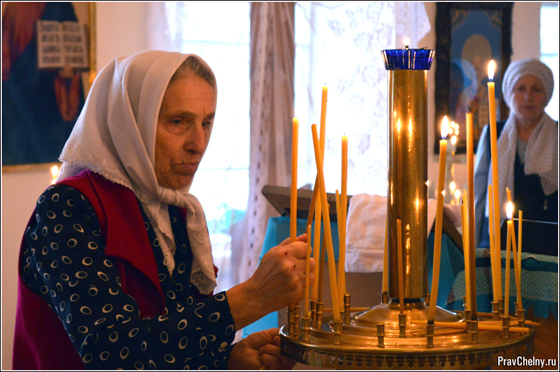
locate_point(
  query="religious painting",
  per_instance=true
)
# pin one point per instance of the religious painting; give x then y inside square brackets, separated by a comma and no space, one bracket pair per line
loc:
[470,35]
[47,62]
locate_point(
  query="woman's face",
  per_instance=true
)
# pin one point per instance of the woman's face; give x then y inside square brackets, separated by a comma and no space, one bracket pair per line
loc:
[183,130]
[529,99]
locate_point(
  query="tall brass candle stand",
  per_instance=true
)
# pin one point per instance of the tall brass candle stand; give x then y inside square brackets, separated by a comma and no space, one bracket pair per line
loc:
[381,338]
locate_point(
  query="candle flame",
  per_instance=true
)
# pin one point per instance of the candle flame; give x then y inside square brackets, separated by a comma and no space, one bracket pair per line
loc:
[54,172]
[444,127]
[452,186]
[406,42]
[399,125]
[457,193]
[509,210]
[491,70]
[453,140]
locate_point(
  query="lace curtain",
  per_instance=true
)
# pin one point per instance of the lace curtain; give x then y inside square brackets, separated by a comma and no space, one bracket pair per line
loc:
[339,44]
[272,97]
[336,43]
[220,33]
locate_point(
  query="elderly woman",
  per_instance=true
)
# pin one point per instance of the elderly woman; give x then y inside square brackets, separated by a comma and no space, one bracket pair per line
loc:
[527,149]
[116,266]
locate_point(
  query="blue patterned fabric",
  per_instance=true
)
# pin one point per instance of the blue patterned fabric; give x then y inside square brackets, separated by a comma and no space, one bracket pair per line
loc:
[539,284]
[64,262]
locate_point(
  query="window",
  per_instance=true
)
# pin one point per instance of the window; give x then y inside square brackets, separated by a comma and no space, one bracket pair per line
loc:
[219,32]
[549,49]
[339,44]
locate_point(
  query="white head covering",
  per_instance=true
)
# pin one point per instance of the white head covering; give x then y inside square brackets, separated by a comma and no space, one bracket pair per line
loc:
[529,66]
[115,136]
[541,154]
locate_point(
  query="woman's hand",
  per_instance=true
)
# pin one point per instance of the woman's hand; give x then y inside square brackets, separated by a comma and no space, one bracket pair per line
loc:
[278,282]
[260,350]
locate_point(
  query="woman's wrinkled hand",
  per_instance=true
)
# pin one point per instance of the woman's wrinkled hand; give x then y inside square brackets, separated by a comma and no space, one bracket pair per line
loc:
[280,278]
[260,350]
[279,281]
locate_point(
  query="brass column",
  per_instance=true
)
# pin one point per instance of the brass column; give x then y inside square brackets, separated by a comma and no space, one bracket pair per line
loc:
[408,167]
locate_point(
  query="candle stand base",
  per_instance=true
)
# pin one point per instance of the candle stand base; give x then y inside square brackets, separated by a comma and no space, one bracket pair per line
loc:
[521,316]
[372,341]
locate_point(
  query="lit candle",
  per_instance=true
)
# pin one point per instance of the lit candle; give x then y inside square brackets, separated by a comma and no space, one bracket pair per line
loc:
[453,145]
[452,187]
[466,251]
[457,196]
[439,217]
[495,178]
[519,229]
[293,194]
[327,224]
[342,221]
[406,42]
[54,173]
[470,213]
[307,263]
[385,285]
[516,267]
[508,262]
[401,264]
[493,257]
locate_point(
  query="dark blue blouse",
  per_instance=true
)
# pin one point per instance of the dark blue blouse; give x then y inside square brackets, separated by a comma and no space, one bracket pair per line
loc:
[64,262]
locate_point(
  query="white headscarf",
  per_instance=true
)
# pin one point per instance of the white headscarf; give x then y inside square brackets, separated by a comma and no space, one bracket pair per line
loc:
[115,136]
[541,154]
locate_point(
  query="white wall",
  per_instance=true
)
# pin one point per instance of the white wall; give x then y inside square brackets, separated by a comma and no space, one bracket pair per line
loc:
[121,31]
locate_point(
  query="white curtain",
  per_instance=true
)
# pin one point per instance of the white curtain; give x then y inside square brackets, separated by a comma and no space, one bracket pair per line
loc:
[336,43]
[220,33]
[272,97]
[339,44]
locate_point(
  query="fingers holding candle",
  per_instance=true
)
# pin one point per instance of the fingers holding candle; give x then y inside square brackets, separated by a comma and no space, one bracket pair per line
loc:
[279,281]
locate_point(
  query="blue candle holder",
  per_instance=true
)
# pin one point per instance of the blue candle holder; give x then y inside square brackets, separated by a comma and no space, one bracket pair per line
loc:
[407,59]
